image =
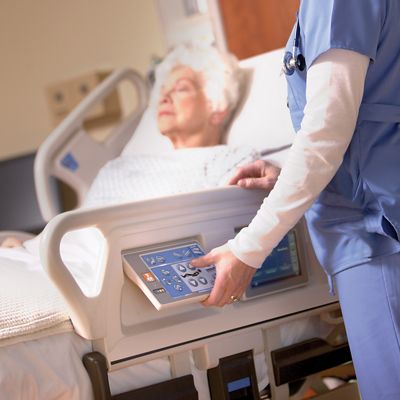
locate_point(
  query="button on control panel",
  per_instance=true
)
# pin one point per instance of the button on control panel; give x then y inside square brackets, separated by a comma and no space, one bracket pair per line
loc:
[165,274]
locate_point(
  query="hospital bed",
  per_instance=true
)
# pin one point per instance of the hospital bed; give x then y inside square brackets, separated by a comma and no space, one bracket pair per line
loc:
[135,343]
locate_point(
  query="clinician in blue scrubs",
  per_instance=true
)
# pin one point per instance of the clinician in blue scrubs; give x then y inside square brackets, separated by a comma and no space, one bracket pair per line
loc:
[343,172]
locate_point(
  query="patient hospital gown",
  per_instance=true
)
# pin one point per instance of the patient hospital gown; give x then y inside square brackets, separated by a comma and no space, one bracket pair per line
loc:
[139,177]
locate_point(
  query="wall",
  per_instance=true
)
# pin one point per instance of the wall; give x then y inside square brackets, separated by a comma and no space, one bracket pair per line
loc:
[44,41]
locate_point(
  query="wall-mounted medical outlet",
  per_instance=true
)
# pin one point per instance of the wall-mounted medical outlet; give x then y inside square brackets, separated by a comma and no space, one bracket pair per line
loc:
[64,96]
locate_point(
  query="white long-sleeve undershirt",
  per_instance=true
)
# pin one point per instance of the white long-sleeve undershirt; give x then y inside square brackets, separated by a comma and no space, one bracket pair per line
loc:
[335,86]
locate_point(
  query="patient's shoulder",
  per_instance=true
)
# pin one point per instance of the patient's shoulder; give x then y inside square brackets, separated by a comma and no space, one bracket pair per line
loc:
[223,161]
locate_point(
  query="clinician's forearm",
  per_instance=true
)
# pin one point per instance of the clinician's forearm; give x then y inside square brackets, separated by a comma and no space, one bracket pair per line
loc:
[335,85]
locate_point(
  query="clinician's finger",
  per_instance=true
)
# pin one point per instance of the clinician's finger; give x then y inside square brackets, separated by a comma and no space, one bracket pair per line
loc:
[246,171]
[265,183]
[225,296]
[237,176]
[222,290]
[218,295]
[203,261]
[250,183]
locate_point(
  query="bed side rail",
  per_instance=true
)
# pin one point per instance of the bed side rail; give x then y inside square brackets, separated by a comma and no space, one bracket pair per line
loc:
[72,156]
[117,223]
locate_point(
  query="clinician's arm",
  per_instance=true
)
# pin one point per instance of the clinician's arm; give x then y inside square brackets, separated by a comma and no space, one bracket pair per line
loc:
[335,85]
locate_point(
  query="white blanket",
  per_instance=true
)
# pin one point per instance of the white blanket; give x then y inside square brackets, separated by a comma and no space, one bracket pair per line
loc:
[29,303]
[139,177]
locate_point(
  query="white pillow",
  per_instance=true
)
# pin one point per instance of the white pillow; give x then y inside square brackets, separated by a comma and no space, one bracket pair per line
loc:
[263,121]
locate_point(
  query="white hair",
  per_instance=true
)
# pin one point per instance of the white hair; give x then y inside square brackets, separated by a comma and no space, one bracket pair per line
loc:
[219,71]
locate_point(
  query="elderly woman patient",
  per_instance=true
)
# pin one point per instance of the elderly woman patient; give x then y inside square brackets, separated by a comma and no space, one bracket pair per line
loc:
[195,93]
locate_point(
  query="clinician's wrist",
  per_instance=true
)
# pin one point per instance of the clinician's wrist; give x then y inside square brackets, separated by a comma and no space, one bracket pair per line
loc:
[252,260]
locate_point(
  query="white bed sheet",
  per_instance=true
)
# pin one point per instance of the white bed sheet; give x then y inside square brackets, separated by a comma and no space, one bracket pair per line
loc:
[47,368]
[51,367]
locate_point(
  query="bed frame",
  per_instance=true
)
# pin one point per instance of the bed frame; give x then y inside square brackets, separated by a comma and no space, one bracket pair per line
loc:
[74,157]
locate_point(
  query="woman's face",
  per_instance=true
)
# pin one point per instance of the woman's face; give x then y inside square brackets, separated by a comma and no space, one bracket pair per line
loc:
[183,108]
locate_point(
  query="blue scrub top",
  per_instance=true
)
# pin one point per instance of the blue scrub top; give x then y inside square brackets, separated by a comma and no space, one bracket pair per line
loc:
[357,216]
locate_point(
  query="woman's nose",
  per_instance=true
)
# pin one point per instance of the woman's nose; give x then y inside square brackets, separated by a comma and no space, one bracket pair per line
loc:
[165,97]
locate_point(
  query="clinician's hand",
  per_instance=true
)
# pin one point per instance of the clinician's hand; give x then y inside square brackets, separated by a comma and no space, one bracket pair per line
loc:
[259,174]
[233,276]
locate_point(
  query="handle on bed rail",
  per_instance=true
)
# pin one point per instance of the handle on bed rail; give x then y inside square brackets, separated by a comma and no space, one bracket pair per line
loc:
[71,126]
[122,225]
[80,306]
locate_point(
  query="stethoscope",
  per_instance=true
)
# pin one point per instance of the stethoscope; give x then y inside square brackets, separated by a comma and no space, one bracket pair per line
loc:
[293,61]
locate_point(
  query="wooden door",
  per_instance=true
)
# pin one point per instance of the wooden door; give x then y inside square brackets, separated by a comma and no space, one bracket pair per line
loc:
[255,26]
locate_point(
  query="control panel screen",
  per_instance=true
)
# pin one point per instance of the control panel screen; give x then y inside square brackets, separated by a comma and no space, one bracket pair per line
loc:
[283,269]
[282,263]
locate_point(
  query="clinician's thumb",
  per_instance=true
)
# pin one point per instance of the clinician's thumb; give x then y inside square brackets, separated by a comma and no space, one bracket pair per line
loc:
[203,261]
[251,183]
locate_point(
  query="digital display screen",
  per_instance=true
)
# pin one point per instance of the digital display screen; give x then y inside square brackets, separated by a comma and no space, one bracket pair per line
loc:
[282,263]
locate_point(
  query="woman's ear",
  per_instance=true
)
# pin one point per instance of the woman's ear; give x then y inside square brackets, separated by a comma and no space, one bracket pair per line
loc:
[217,118]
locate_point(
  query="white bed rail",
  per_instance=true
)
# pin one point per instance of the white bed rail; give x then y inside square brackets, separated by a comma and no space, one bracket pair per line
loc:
[114,222]
[123,323]
[69,146]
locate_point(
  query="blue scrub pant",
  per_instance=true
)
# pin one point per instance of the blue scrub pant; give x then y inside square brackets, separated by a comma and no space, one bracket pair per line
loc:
[369,296]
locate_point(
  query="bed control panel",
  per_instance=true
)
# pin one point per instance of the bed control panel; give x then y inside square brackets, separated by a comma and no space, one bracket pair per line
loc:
[165,275]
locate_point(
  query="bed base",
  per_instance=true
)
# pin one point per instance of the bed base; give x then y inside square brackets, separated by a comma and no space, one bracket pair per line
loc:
[235,378]
[181,388]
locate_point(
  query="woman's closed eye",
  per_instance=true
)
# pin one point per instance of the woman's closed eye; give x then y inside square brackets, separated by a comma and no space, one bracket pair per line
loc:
[184,86]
